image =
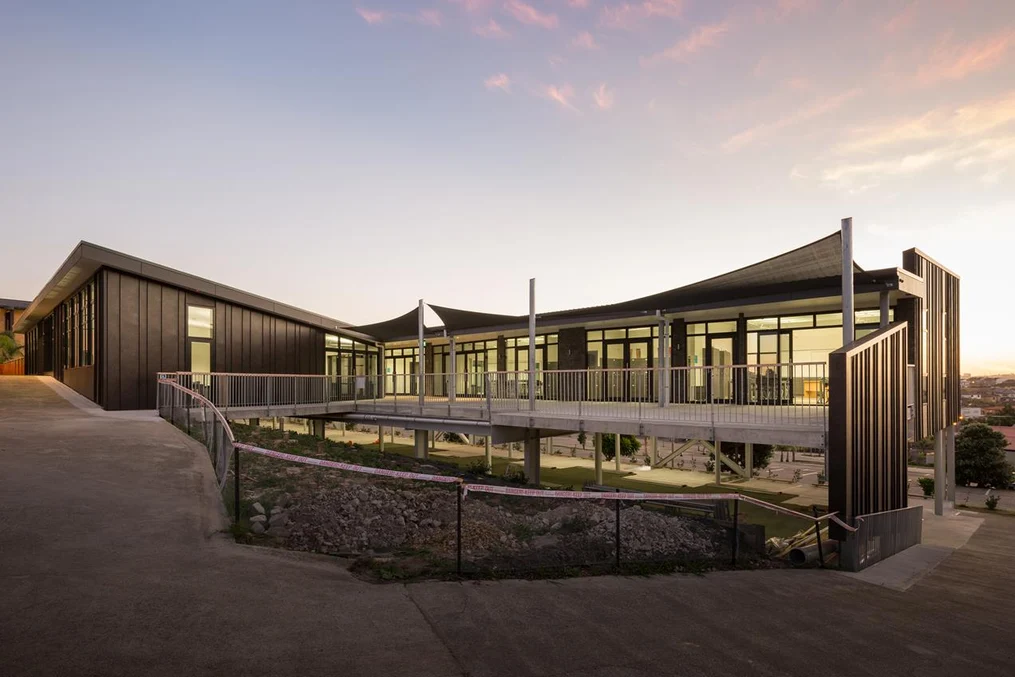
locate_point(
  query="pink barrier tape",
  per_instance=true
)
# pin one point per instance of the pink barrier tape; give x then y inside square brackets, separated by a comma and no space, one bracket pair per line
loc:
[604,495]
[348,466]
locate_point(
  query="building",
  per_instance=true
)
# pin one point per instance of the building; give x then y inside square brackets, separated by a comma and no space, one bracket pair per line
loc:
[11,311]
[756,355]
[107,323]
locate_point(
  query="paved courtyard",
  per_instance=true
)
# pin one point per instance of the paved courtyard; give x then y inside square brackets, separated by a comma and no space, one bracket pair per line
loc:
[112,562]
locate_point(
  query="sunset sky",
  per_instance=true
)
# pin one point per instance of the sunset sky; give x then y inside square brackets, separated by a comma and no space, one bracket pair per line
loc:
[350,158]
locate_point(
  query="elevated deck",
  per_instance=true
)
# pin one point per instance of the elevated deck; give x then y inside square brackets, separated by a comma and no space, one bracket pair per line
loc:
[554,411]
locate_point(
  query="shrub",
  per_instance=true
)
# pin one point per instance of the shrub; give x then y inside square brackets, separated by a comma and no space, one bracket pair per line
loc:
[992,501]
[478,466]
[980,457]
[927,484]
[515,475]
[453,438]
[629,445]
[582,438]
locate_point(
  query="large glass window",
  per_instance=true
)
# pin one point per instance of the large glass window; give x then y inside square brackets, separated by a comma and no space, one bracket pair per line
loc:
[78,328]
[200,321]
[200,332]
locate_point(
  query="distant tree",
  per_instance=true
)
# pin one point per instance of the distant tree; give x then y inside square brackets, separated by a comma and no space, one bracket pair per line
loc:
[1005,417]
[737,452]
[980,457]
[629,445]
[582,438]
[9,348]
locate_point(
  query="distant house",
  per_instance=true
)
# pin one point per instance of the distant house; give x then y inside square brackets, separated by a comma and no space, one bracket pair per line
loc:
[972,412]
[1009,433]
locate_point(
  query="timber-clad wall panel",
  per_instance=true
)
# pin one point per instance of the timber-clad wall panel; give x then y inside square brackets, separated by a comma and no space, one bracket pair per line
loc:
[935,345]
[143,330]
[867,445]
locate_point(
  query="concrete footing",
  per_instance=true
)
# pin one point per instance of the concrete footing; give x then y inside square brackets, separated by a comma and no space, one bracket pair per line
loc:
[380,438]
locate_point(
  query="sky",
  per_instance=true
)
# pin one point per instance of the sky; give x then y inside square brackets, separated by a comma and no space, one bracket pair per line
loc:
[350,158]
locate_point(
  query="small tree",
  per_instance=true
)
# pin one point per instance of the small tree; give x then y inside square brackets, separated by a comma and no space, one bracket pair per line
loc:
[927,484]
[980,457]
[629,446]
[9,348]
[582,438]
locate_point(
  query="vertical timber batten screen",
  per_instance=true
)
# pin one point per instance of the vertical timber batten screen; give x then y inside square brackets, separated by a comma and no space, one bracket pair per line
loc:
[934,344]
[867,424]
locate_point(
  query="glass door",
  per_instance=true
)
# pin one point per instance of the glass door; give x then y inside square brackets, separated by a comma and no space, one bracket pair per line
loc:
[719,356]
[613,378]
[639,379]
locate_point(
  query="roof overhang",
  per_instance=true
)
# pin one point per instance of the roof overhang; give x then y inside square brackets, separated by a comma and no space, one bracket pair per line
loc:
[87,259]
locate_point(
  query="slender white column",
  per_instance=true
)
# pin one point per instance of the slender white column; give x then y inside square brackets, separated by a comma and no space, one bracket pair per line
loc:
[532,344]
[718,463]
[488,454]
[950,465]
[420,363]
[599,458]
[848,315]
[380,438]
[616,451]
[939,472]
[532,456]
[452,389]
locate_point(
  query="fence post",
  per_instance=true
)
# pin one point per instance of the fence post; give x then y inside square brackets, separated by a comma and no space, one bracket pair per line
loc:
[236,485]
[617,553]
[489,397]
[736,531]
[458,544]
[817,533]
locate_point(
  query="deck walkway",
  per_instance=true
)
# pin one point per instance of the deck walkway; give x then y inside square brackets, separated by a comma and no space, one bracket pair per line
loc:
[803,426]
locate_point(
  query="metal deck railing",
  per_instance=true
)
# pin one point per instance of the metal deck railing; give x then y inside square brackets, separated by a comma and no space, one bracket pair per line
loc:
[777,395]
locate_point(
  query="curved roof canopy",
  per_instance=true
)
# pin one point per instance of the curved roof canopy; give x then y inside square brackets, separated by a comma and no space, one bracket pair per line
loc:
[403,326]
[456,320]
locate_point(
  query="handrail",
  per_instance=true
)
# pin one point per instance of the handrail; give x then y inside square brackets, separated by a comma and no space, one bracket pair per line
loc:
[865,342]
[203,400]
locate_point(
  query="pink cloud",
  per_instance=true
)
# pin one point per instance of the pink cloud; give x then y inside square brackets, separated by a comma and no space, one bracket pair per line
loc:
[901,21]
[956,62]
[584,40]
[578,4]
[628,15]
[500,81]
[793,6]
[701,38]
[491,30]
[767,129]
[562,95]
[603,97]
[372,17]
[527,14]
[471,5]
[430,17]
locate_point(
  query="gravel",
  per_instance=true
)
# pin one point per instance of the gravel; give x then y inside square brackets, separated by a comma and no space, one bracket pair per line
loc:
[366,516]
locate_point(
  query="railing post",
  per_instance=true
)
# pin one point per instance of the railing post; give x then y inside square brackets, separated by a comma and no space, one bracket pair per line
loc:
[270,380]
[236,485]
[458,539]
[736,531]
[617,520]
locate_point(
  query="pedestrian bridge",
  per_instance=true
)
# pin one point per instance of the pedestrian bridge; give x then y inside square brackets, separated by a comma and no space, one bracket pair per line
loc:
[762,404]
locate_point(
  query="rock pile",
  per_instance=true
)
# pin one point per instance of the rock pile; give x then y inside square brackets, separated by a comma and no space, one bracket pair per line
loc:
[367,516]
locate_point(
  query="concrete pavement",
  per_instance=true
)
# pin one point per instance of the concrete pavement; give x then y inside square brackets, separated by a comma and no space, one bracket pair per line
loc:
[111,563]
